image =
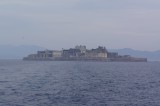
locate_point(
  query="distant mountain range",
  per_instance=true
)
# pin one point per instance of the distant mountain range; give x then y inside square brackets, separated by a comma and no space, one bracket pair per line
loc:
[18,52]
[152,56]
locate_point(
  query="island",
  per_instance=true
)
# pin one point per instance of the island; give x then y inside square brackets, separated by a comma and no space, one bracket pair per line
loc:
[81,53]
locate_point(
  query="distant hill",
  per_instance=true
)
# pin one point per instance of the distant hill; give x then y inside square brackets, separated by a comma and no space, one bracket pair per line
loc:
[152,56]
[17,52]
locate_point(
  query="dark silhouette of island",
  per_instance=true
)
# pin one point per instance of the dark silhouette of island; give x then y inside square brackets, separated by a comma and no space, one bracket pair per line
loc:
[81,53]
[18,52]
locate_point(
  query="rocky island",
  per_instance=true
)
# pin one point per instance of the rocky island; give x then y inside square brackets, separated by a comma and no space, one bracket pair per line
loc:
[81,53]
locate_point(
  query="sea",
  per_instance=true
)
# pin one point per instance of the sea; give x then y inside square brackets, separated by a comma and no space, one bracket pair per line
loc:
[79,83]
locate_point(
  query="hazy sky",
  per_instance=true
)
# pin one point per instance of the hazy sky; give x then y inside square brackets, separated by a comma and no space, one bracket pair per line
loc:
[57,24]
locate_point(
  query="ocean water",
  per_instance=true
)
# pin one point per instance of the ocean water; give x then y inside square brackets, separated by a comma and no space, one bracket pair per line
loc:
[55,83]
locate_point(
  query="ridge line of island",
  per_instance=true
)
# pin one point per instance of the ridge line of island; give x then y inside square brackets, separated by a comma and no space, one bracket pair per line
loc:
[81,53]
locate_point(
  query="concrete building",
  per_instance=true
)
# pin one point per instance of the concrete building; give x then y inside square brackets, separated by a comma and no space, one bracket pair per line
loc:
[71,53]
[100,52]
[45,54]
[56,54]
[81,48]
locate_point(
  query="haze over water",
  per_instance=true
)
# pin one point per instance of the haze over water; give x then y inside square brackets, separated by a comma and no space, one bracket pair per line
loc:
[43,83]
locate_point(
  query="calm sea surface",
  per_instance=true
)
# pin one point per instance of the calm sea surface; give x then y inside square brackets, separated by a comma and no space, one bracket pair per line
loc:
[42,83]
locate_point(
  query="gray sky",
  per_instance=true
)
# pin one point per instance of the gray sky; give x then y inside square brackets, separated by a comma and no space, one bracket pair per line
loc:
[57,24]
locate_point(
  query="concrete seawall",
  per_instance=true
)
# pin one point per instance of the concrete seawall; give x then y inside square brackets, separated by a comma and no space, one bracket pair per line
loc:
[131,59]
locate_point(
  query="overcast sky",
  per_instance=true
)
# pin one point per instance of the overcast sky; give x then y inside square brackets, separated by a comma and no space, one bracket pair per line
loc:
[57,24]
